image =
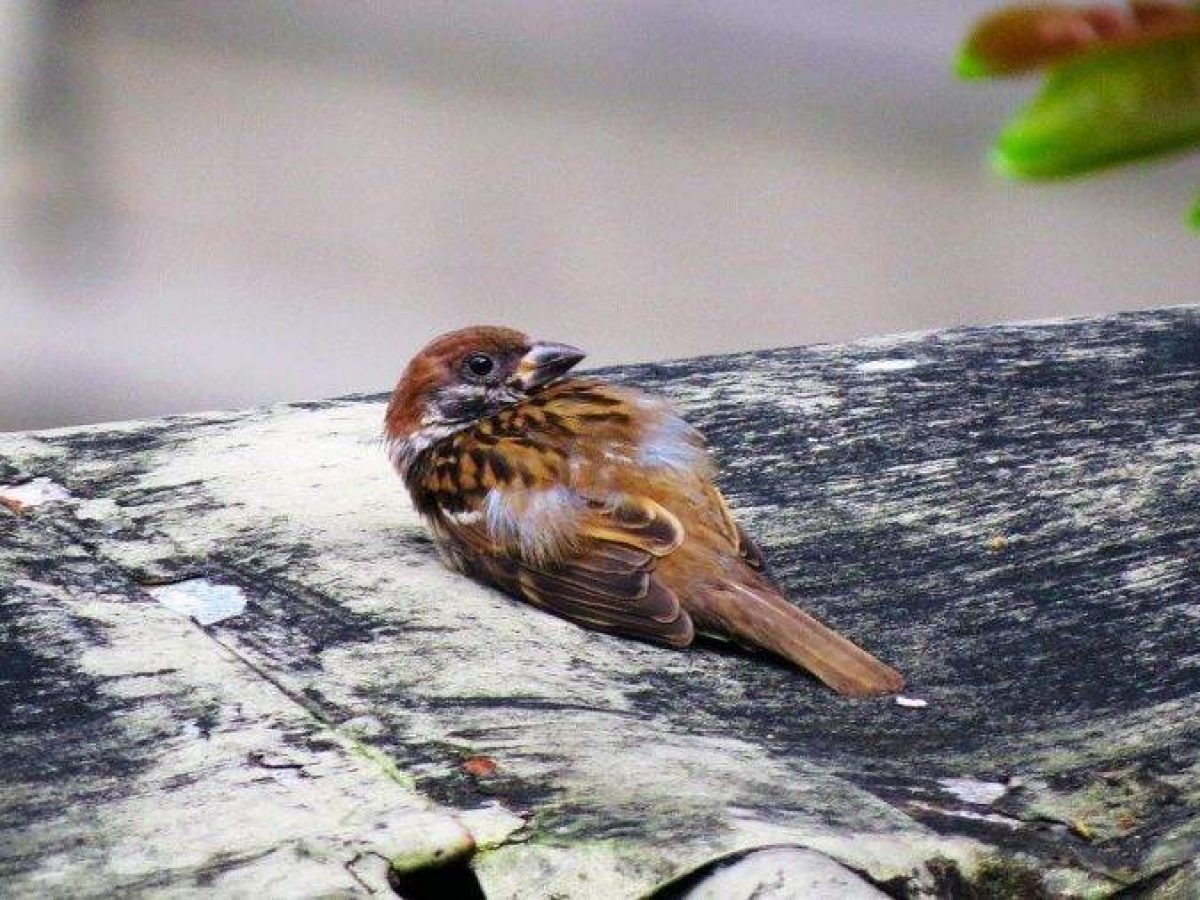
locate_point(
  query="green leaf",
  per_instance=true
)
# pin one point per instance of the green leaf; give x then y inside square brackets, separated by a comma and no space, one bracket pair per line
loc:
[1194,216]
[1108,108]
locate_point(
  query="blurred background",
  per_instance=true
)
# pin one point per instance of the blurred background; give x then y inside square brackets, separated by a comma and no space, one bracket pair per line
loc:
[230,202]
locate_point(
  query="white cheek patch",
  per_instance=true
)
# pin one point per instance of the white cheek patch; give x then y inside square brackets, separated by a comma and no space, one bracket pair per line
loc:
[403,452]
[542,524]
[451,410]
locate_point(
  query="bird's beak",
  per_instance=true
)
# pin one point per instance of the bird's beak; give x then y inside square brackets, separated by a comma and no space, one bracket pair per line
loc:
[543,363]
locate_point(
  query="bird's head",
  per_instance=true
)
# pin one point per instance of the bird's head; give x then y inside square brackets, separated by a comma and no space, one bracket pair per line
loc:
[464,376]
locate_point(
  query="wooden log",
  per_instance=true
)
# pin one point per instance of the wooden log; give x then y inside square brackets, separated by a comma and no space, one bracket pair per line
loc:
[232,661]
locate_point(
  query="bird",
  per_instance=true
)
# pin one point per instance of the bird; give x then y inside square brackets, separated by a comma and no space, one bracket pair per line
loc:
[592,501]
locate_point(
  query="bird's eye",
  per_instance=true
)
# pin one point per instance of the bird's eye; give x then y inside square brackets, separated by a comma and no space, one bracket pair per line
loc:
[479,365]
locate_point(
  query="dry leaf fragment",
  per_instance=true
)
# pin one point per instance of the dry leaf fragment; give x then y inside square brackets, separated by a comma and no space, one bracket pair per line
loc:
[1019,39]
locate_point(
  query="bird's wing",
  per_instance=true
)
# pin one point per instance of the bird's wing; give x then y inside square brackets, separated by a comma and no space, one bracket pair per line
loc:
[749,550]
[607,581]
[739,540]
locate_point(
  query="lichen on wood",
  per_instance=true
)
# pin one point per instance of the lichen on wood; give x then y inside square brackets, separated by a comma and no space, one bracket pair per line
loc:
[1007,514]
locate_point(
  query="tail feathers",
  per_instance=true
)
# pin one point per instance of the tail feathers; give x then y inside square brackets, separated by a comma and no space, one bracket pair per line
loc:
[761,617]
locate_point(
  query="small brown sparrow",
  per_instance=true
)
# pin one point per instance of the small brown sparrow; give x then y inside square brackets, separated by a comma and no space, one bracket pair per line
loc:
[593,502]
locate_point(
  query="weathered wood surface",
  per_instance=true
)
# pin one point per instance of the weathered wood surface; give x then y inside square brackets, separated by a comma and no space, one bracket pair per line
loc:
[1009,514]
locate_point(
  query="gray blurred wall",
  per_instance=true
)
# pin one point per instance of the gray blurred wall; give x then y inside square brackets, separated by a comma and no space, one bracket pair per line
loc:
[225,203]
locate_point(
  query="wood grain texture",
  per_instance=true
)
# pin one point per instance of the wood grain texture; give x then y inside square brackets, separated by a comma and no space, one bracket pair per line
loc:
[1008,514]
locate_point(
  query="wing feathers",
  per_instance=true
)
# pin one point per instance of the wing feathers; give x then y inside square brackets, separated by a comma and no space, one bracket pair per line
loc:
[609,557]
[628,585]
[637,522]
[748,550]
[607,582]
[655,616]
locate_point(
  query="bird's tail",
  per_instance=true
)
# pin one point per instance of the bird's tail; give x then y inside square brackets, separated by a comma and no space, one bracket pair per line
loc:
[758,615]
